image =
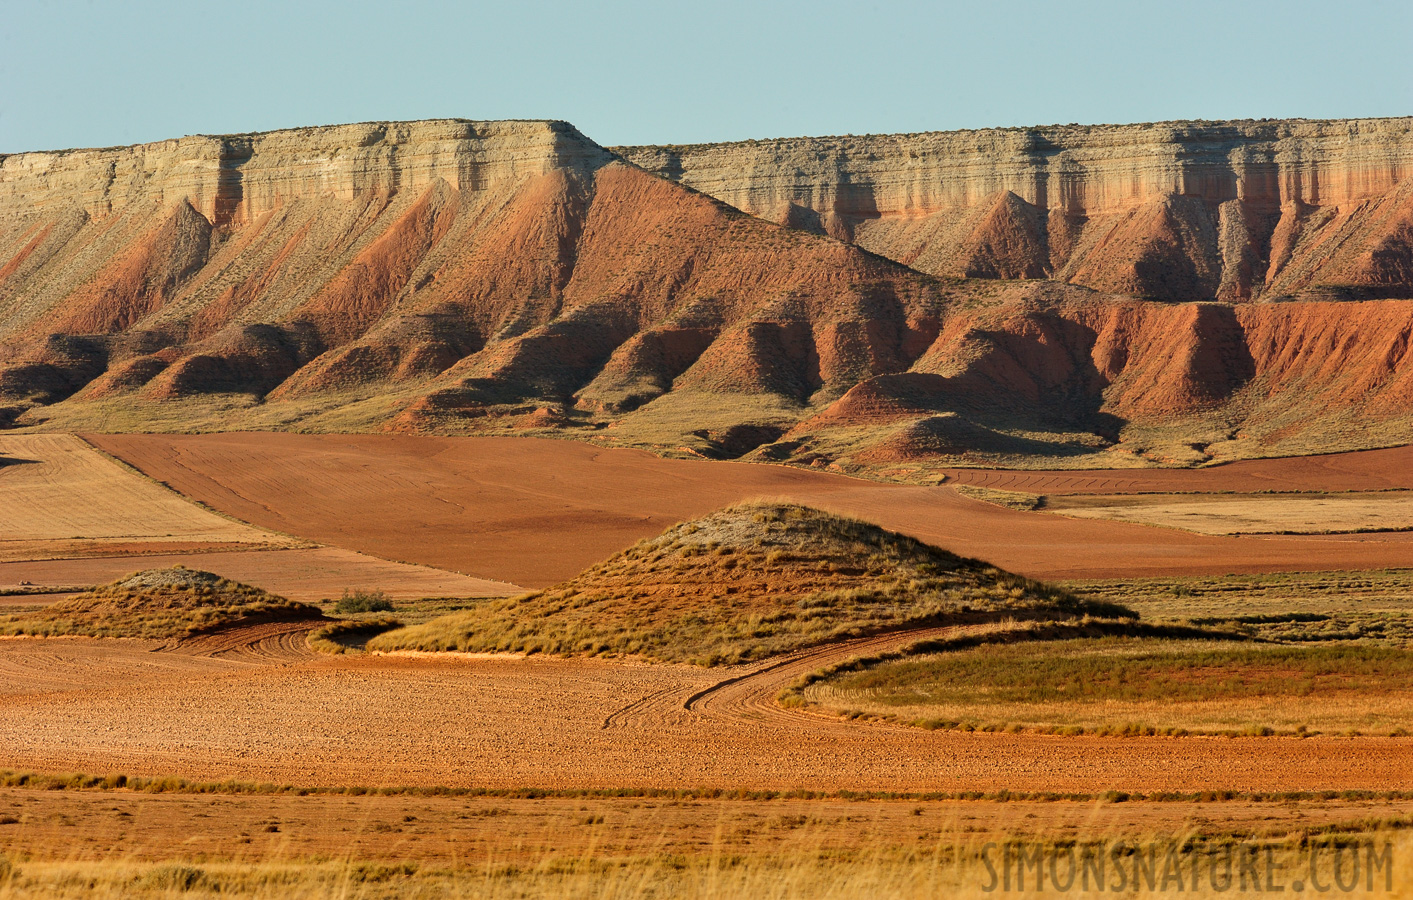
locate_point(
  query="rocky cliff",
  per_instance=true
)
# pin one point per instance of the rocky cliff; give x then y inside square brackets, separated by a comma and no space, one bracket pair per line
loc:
[459,277]
[1171,211]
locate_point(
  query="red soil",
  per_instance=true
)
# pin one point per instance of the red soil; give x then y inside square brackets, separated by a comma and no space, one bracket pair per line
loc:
[19,258]
[599,287]
[1368,470]
[577,723]
[140,281]
[536,512]
[359,295]
[304,575]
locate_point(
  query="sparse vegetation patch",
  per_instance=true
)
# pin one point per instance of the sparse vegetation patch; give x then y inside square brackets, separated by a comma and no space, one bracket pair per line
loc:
[350,635]
[363,601]
[1009,499]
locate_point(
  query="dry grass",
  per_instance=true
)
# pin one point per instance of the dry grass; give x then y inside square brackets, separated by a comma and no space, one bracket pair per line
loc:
[1374,594]
[947,864]
[746,583]
[1129,685]
[363,601]
[1311,513]
[159,603]
[350,635]
[1008,499]
[63,497]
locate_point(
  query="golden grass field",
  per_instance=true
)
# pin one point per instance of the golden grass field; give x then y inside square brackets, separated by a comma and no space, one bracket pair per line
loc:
[1136,685]
[1220,514]
[267,845]
[62,498]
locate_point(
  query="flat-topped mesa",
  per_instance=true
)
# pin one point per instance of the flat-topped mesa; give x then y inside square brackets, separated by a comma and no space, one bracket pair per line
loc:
[514,277]
[238,178]
[1174,211]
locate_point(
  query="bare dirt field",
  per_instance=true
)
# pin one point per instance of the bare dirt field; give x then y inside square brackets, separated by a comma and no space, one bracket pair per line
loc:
[307,575]
[1247,513]
[262,710]
[72,517]
[257,705]
[535,512]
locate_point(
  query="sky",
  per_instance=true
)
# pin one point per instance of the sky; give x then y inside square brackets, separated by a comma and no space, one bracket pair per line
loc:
[92,73]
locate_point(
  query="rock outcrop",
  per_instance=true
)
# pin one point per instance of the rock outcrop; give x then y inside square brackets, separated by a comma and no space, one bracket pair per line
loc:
[462,277]
[1170,211]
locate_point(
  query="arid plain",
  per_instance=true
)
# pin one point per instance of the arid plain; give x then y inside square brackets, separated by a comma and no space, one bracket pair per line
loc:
[266,708]
[310,516]
[482,511]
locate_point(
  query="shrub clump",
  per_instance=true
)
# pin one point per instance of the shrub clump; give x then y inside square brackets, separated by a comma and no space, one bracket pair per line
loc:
[361,601]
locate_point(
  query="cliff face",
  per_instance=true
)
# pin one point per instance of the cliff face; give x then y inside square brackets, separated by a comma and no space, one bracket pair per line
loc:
[462,273]
[1171,211]
[239,178]
[459,277]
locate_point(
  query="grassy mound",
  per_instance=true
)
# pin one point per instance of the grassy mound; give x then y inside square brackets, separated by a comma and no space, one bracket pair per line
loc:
[745,583]
[160,603]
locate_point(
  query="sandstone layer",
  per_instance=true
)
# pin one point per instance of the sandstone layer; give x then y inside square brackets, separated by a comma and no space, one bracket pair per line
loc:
[515,277]
[1172,211]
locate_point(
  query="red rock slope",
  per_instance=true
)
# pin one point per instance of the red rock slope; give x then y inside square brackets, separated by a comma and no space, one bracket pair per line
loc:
[454,276]
[1171,211]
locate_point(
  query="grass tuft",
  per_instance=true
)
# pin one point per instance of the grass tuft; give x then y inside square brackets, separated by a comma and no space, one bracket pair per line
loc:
[350,635]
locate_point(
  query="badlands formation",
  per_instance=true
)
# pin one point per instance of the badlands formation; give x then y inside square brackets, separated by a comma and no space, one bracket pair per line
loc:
[1168,294]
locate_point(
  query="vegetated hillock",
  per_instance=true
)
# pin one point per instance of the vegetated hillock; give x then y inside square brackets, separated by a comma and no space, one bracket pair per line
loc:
[161,603]
[745,583]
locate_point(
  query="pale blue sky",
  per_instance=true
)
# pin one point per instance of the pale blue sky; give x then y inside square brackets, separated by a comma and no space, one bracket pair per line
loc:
[104,72]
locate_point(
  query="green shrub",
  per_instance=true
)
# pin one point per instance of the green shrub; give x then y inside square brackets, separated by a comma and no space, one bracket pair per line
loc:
[361,601]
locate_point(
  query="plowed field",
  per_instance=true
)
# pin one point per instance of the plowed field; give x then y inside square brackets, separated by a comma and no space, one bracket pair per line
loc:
[62,498]
[535,512]
[1365,470]
[274,715]
[69,516]
[307,575]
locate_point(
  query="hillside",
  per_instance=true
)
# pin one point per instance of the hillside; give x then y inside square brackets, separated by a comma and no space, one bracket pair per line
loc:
[462,277]
[1171,211]
[160,603]
[744,583]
